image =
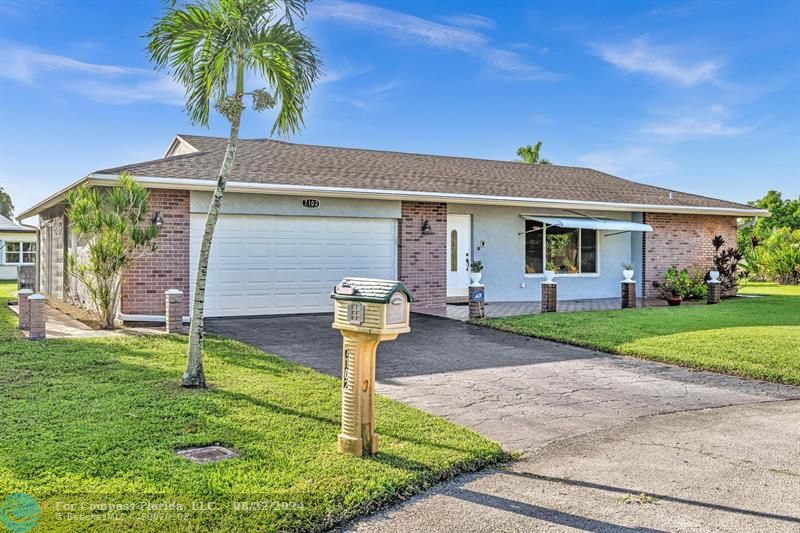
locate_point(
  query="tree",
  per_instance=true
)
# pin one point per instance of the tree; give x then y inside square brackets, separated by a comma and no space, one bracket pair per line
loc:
[783,213]
[208,47]
[530,154]
[112,224]
[6,206]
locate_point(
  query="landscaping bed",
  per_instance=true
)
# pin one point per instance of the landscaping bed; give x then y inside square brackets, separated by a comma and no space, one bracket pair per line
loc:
[749,337]
[92,424]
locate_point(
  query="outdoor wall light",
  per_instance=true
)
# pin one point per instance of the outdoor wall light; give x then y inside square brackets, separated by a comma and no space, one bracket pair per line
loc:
[157,219]
[426,227]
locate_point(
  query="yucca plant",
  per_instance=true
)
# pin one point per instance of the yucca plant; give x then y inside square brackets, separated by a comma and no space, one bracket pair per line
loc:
[208,47]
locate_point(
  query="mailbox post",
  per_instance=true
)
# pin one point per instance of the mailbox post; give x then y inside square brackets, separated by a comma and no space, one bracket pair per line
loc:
[366,312]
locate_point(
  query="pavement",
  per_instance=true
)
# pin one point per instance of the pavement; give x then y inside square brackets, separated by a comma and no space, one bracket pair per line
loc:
[519,391]
[731,469]
[596,431]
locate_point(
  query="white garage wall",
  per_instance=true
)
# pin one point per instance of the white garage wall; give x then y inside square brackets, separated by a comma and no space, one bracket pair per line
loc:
[269,204]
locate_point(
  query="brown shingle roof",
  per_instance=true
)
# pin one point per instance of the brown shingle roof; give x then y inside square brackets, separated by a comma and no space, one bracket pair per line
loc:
[281,163]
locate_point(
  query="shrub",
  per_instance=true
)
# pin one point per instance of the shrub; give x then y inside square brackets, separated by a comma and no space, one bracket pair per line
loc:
[112,223]
[682,283]
[780,256]
[726,261]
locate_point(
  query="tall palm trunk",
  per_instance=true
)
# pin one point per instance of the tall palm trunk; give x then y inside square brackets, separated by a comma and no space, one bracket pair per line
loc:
[194,376]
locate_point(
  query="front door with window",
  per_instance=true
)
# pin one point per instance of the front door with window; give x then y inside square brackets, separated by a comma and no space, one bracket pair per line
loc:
[459,254]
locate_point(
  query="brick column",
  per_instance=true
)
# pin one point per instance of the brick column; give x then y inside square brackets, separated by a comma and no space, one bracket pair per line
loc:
[477,297]
[714,292]
[38,320]
[628,294]
[24,308]
[549,296]
[174,306]
[421,257]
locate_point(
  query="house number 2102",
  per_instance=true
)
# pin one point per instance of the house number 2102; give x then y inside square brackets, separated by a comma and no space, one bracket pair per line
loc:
[310,202]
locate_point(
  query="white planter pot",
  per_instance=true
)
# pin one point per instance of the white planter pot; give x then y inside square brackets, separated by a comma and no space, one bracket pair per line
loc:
[713,275]
[628,275]
[549,275]
[475,277]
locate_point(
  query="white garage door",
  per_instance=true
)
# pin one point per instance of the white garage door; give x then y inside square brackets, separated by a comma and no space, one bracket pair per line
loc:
[262,265]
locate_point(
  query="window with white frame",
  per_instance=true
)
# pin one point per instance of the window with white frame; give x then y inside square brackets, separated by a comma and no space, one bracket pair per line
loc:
[20,253]
[564,250]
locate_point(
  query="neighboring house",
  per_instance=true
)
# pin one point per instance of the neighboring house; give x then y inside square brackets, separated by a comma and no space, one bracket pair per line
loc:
[296,219]
[17,247]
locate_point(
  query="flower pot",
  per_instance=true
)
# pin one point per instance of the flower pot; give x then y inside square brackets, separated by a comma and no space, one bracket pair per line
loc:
[713,275]
[549,275]
[674,300]
[628,275]
[475,277]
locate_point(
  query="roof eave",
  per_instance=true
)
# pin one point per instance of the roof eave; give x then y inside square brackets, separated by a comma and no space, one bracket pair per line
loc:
[380,194]
[50,201]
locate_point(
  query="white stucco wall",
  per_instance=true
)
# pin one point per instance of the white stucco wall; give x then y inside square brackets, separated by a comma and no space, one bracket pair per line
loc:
[9,272]
[269,204]
[503,256]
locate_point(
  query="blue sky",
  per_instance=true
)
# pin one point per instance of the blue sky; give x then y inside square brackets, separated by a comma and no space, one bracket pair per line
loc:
[701,96]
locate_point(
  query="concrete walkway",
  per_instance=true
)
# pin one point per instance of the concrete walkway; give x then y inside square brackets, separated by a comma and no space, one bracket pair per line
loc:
[61,326]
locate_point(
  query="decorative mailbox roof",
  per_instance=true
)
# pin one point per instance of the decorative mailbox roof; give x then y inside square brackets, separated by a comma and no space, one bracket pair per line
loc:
[369,290]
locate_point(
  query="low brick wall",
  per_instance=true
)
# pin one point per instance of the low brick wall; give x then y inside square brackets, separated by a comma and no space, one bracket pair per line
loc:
[421,263]
[167,268]
[681,240]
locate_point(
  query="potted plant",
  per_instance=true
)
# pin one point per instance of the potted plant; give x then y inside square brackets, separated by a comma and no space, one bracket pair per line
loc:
[475,272]
[669,291]
[627,271]
[549,271]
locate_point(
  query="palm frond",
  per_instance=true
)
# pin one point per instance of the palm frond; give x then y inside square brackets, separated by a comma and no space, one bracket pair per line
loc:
[288,61]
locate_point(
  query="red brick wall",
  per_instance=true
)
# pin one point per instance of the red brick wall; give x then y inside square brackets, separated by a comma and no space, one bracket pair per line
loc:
[682,240]
[421,261]
[168,268]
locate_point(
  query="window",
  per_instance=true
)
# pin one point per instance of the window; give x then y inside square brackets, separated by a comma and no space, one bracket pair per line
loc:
[20,253]
[565,250]
[12,252]
[453,251]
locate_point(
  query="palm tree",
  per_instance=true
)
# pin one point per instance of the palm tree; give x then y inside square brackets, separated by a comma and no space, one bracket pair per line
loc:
[530,154]
[210,45]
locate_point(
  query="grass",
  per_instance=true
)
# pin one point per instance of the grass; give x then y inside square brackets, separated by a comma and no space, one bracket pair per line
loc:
[750,337]
[88,422]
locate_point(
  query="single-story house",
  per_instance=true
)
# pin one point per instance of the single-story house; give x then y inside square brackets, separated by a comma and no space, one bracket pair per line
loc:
[17,247]
[297,218]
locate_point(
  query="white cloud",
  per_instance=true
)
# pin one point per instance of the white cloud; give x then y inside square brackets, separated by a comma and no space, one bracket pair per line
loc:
[160,89]
[639,55]
[693,128]
[713,121]
[113,84]
[334,74]
[469,20]
[433,34]
[631,163]
[22,63]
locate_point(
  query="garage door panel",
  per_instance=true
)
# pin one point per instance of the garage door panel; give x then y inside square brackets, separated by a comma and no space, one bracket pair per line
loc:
[277,265]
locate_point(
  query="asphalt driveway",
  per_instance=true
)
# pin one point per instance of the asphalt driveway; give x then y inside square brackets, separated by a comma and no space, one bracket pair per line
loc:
[519,391]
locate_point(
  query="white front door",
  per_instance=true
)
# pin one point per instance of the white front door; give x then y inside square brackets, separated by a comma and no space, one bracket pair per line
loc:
[459,250]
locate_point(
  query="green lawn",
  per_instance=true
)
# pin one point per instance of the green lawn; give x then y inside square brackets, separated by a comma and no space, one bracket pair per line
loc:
[97,421]
[752,337]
